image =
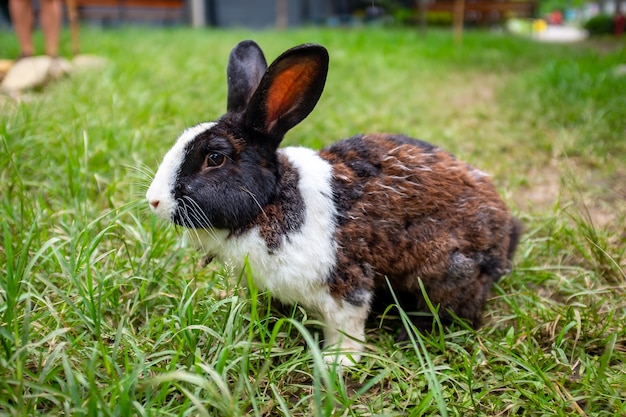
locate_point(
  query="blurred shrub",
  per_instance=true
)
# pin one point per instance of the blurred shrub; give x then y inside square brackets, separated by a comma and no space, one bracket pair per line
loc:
[601,24]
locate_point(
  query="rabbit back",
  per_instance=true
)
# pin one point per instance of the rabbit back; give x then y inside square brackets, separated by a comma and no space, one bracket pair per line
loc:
[409,211]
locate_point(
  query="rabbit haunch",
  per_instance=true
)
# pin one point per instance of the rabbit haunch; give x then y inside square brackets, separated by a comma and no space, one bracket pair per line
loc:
[331,229]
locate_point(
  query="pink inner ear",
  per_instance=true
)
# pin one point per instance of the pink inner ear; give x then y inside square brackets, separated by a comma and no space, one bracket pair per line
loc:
[287,90]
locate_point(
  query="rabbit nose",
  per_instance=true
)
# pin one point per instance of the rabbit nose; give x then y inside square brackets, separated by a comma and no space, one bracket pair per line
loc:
[154,204]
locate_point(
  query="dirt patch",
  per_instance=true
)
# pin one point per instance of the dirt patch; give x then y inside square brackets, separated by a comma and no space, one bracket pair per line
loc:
[600,198]
[542,189]
[464,92]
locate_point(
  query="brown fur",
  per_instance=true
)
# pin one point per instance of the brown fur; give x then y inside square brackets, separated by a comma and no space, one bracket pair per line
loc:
[285,213]
[409,210]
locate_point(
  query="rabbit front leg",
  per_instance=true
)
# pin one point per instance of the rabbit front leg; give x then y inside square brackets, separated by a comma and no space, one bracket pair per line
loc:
[344,331]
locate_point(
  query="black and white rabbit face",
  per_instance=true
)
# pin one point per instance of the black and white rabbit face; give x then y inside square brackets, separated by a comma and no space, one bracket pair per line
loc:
[212,179]
[220,175]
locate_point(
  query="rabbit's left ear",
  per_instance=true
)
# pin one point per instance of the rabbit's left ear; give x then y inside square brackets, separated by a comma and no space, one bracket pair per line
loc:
[288,91]
[246,66]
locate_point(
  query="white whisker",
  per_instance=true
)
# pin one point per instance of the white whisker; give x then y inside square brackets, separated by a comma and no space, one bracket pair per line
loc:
[190,232]
[255,200]
[200,217]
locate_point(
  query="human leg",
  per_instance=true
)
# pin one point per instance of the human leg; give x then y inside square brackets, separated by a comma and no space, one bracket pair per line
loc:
[50,19]
[22,18]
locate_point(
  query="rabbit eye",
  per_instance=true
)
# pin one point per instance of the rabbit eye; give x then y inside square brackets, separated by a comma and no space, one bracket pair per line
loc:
[214,160]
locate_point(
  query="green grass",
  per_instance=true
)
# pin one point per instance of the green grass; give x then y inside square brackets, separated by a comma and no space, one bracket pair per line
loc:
[102,312]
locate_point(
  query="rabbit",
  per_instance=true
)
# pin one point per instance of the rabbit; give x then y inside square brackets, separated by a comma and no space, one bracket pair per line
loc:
[332,229]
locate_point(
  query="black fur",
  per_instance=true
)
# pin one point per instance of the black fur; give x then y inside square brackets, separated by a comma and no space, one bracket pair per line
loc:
[246,67]
[231,196]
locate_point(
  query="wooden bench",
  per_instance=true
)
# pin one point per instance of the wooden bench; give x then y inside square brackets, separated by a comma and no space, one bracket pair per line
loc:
[114,12]
[485,12]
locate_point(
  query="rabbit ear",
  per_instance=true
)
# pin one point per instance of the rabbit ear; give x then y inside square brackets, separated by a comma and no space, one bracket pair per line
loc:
[246,66]
[288,91]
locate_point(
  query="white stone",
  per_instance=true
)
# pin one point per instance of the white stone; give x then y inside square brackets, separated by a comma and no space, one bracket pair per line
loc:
[33,72]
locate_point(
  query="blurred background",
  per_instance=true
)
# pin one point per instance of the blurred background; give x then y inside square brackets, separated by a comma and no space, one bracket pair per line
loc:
[603,16]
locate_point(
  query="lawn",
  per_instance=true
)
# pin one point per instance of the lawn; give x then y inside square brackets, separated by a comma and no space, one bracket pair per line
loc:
[103,312]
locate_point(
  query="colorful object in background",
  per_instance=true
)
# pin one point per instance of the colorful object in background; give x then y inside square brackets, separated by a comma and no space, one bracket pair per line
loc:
[539,26]
[619,22]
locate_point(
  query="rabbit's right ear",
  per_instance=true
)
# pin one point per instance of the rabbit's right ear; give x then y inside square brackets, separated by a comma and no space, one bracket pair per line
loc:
[288,91]
[246,67]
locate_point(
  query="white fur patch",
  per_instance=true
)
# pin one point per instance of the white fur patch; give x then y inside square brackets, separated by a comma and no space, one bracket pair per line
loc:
[345,333]
[161,189]
[296,272]
[478,174]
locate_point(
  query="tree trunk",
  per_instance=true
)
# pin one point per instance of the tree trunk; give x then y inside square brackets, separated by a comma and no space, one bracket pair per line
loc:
[458,13]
